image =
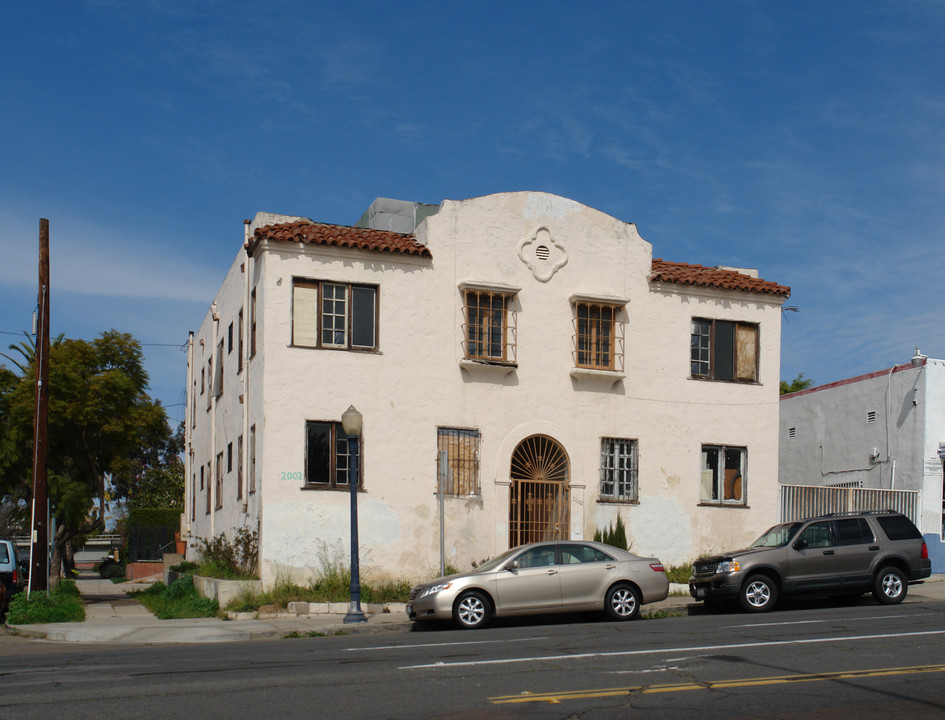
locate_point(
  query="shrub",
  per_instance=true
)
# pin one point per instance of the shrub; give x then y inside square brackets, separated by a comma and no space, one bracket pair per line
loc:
[614,535]
[230,560]
[679,573]
[63,604]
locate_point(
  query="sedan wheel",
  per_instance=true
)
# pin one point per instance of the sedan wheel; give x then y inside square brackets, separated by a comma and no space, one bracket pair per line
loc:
[758,594]
[622,602]
[471,610]
[890,586]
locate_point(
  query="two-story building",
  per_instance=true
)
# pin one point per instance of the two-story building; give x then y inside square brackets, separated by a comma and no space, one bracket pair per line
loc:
[529,346]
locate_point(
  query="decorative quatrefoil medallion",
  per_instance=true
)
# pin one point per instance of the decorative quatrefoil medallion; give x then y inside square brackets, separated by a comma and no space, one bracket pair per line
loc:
[543,255]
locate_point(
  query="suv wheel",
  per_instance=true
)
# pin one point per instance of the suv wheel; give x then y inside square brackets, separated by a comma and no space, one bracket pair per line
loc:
[890,586]
[758,594]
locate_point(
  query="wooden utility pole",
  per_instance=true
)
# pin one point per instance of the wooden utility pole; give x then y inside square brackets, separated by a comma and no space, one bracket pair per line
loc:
[39,548]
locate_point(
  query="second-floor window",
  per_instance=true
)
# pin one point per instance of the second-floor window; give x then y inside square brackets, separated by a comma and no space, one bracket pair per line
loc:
[598,333]
[724,350]
[341,316]
[489,324]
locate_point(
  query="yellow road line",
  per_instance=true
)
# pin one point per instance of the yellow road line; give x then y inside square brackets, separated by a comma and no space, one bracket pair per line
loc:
[557,697]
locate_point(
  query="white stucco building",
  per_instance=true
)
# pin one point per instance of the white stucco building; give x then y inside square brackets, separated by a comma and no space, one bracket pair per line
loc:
[567,375]
[880,431]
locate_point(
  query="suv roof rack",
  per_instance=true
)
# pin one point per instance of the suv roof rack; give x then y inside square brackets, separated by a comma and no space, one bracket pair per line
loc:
[862,512]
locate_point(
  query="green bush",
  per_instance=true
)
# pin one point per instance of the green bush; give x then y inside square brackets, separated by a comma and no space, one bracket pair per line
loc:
[110,570]
[179,600]
[230,559]
[613,535]
[679,573]
[63,604]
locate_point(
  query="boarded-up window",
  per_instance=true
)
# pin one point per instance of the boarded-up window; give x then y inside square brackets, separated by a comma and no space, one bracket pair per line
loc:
[724,350]
[462,457]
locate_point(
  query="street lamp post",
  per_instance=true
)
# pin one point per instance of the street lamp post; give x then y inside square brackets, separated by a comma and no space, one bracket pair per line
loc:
[351,422]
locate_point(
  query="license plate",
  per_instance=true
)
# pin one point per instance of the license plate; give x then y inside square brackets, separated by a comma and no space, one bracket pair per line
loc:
[409,609]
[700,592]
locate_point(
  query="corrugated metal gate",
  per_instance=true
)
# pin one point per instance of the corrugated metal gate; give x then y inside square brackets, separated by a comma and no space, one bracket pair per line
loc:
[803,501]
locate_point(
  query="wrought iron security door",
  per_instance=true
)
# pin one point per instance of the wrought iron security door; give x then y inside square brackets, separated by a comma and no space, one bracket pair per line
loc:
[539,501]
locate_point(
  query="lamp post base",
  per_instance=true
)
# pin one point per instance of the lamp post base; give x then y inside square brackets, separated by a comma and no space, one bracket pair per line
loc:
[355,614]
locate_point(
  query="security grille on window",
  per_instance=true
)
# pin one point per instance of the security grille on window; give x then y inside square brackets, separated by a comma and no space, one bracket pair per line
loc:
[462,449]
[724,350]
[326,455]
[618,469]
[724,475]
[598,333]
[489,327]
[334,315]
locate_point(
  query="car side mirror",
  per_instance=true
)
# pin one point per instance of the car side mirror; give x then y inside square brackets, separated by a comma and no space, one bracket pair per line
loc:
[800,544]
[513,565]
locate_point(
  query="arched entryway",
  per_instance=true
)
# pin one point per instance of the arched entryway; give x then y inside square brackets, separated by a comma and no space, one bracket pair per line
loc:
[539,502]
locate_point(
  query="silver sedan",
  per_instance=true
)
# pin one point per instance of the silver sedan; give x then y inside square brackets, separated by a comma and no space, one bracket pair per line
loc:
[544,577]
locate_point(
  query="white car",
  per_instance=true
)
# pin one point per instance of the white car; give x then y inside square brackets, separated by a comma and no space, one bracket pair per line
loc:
[544,577]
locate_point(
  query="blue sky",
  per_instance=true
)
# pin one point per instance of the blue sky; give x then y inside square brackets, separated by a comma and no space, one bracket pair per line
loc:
[804,139]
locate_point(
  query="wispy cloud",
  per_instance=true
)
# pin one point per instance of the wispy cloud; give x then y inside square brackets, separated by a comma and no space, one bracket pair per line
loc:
[102,260]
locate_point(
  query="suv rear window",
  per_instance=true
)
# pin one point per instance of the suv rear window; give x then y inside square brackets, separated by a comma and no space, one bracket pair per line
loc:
[899,527]
[4,554]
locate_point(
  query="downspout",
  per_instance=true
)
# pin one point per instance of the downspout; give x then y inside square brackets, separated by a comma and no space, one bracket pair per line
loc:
[892,478]
[244,340]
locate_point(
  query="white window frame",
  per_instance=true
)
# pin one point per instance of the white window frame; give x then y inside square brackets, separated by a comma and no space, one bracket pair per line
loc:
[619,474]
[715,487]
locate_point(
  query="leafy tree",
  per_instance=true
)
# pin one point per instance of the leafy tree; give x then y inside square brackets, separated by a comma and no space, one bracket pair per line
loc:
[101,422]
[796,385]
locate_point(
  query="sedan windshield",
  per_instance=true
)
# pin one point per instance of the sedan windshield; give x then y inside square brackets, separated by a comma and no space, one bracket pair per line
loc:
[496,561]
[777,536]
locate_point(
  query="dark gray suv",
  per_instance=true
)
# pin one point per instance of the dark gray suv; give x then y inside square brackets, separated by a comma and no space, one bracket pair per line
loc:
[842,554]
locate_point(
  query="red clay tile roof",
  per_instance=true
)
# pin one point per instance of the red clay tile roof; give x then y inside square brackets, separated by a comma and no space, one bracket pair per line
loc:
[302,231]
[685,274]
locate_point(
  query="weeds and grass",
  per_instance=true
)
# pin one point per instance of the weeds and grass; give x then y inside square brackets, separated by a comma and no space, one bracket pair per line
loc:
[331,583]
[178,600]
[63,604]
[334,586]
[679,573]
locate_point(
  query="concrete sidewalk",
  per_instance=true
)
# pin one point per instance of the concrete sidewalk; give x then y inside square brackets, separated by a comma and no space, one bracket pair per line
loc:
[113,617]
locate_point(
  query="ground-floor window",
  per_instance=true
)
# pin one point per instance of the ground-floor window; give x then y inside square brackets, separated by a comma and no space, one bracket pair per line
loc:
[724,475]
[461,446]
[326,455]
[618,469]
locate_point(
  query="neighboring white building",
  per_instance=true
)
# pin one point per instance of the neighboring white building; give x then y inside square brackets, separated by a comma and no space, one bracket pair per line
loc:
[880,431]
[568,376]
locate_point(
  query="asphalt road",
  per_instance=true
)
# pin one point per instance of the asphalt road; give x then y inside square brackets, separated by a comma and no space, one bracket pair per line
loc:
[812,660]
